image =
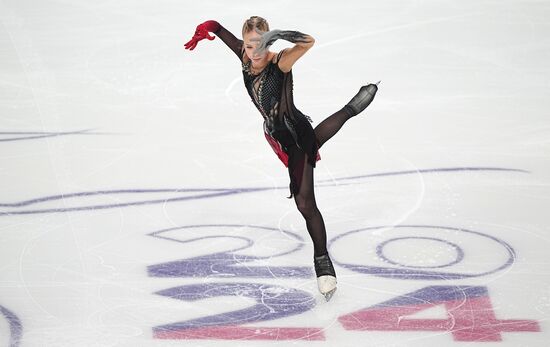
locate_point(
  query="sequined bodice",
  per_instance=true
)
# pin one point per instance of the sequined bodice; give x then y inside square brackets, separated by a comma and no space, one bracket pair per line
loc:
[289,129]
[265,89]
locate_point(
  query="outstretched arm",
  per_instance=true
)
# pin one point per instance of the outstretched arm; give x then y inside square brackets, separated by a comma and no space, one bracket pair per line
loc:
[302,43]
[211,26]
[231,41]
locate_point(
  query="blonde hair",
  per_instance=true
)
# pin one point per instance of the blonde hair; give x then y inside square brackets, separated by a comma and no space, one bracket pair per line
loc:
[255,22]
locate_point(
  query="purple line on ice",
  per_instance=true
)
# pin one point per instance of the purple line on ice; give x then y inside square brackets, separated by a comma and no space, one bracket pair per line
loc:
[227,263]
[16,328]
[458,250]
[271,302]
[24,136]
[206,193]
[415,273]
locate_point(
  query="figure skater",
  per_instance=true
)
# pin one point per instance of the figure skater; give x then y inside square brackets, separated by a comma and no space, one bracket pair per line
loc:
[268,79]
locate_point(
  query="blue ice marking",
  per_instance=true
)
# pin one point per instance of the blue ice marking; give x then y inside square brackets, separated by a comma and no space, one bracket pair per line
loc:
[21,208]
[16,328]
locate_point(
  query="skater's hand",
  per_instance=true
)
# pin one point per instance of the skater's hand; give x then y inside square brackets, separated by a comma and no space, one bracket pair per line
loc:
[201,33]
[267,38]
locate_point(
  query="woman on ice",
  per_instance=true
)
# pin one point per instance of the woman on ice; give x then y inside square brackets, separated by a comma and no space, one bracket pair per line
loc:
[268,80]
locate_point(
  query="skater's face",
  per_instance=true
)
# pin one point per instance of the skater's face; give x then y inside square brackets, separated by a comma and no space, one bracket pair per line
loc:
[251,41]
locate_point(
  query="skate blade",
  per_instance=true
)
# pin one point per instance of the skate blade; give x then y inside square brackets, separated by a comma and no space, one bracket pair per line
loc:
[328,295]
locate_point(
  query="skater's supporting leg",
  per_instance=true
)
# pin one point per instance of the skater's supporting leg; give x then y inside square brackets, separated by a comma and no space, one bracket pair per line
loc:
[305,201]
[326,276]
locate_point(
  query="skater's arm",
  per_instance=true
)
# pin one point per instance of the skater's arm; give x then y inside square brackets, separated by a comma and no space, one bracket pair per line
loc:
[291,55]
[231,41]
[302,43]
[203,32]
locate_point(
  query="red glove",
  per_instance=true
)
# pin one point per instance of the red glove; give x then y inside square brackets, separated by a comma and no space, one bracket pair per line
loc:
[201,33]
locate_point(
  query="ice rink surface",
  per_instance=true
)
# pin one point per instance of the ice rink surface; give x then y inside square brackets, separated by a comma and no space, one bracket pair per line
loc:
[140,204]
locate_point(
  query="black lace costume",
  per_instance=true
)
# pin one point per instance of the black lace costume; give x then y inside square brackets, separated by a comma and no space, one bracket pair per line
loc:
[271,92]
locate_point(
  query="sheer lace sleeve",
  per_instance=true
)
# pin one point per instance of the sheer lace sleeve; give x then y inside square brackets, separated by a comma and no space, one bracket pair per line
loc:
[231,41]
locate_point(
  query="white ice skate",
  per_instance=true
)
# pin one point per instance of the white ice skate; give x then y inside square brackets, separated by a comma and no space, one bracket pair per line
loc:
[326,276]
[327,286]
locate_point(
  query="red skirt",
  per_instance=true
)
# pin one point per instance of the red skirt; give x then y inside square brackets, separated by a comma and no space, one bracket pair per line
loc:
[278,149]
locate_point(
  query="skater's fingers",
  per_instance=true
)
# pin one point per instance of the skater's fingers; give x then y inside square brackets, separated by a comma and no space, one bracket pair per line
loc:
[192,45]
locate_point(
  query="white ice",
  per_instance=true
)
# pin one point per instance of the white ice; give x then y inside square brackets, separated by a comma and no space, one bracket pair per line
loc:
[120,150]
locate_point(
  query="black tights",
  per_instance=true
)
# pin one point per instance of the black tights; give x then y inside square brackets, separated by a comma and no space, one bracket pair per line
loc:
[305,199]
[330,126]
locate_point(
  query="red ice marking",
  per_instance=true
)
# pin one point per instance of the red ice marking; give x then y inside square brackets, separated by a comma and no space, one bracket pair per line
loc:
[242,333]
[469,319]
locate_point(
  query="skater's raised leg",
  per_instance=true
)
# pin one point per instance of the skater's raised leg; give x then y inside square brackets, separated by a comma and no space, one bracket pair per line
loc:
[332,124]
[363,99]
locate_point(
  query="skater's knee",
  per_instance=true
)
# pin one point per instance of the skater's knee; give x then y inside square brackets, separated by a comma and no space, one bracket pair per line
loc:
[306,206]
